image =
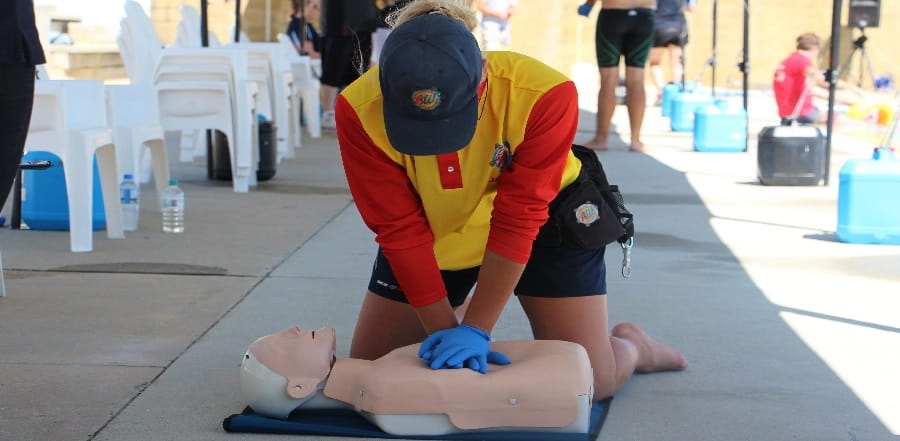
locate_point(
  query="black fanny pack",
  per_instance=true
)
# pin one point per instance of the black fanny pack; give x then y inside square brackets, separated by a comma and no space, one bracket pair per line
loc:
[588,213]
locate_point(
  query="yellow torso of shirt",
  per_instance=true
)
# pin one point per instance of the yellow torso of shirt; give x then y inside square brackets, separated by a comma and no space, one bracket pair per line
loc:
[460,218]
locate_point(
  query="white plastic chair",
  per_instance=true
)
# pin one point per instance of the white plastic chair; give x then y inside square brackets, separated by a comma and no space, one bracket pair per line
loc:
[2,279]
[139,44]
[133,114]
[208,88]
[272,73]
[306,86]
[69,120]
[187,31]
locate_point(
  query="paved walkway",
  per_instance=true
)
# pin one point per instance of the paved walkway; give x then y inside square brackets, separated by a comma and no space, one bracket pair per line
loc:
[790,334]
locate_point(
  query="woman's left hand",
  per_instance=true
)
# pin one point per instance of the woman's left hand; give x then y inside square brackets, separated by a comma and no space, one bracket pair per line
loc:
[461,346]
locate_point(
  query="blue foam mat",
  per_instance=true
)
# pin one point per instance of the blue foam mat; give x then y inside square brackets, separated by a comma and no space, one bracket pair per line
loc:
[349,423]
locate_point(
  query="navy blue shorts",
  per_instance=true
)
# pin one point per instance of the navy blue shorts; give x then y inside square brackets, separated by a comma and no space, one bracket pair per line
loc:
[558,270]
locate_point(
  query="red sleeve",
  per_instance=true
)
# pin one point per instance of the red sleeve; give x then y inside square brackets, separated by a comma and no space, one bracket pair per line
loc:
[391,208]
[533,178]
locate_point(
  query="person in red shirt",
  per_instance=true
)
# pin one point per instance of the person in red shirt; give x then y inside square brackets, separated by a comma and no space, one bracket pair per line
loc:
[797,77]
[453,158]
[793,81]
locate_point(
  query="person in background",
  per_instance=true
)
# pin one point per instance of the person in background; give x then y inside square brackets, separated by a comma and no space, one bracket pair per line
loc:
[345,52]
[20,52]
[798,78]
[495,27]
[671,37]
[454,158]
[387,8]
[625,29]
[301,30]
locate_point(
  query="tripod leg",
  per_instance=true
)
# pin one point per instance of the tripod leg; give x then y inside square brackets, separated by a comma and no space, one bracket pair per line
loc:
[868,62]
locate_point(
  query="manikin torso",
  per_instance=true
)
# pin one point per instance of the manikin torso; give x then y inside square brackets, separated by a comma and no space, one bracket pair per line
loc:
[547,387]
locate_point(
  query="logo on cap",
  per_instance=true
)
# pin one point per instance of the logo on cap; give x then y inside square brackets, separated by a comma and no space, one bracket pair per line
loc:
[427,99]
[587,213]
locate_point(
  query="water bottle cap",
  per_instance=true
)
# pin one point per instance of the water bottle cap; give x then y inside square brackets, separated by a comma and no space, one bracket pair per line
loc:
[173,181]
[128,176]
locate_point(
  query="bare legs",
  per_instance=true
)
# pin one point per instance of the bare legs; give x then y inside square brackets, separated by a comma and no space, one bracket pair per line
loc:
[384,325]
[614,357]
[656,70]
[329,95]
[635,102]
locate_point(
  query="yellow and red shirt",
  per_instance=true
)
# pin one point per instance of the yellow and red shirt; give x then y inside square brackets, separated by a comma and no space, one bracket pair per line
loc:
[432,213]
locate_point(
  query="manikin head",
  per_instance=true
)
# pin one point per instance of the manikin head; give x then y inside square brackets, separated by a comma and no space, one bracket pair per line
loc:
[281,372]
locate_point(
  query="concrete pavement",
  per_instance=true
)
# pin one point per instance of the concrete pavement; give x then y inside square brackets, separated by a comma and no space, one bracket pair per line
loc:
[790,333]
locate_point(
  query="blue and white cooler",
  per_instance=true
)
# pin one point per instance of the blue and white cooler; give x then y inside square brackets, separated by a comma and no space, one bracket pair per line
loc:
[721,127]
[45,204]
[869,200]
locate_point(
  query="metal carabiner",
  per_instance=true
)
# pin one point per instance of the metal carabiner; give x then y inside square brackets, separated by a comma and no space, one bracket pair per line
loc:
[626,257]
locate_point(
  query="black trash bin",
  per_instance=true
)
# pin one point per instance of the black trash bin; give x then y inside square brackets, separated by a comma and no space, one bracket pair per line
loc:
[219,159]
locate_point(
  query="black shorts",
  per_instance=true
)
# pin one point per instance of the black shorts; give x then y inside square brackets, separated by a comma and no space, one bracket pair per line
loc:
[555,268]
[344,59]
[670,36]
[624,32]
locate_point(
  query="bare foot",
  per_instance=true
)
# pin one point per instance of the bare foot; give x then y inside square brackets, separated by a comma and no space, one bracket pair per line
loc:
[636,147]
[596,144]
[653,356]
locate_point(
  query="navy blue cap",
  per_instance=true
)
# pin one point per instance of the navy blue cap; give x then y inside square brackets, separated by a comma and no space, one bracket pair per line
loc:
[430,69]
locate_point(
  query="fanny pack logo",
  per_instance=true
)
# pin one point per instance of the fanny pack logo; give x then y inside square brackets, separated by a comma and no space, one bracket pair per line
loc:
[587,213]
[427,99]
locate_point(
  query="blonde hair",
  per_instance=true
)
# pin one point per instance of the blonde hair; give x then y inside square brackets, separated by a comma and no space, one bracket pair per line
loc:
[460,10]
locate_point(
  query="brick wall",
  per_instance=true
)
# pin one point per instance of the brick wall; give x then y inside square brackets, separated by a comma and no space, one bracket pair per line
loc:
[165,15]
[551,31]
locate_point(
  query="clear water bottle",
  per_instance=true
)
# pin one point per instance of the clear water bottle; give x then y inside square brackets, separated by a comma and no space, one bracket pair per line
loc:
[128,196]
[173,208]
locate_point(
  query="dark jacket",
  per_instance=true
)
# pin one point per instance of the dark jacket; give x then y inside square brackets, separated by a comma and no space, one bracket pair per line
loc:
[19,43]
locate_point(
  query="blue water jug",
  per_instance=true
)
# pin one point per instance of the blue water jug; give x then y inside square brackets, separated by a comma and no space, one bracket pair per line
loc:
[45,205]
[683,106]
[670,90]
[720,128]
[869,200]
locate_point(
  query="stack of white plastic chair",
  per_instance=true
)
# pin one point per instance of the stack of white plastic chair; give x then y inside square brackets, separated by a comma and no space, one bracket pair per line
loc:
[187,35]
[69,120]
[306,86]
[275,84]
[139,44]
[187,31]
[132,112]
[208,88]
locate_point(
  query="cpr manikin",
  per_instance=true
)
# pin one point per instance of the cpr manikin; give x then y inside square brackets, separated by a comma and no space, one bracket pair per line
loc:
[547,387]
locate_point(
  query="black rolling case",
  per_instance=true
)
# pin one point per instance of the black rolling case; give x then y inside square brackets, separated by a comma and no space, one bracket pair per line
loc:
[790,155]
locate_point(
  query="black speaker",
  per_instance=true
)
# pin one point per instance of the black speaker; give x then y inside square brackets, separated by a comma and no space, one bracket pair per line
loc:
[864,13]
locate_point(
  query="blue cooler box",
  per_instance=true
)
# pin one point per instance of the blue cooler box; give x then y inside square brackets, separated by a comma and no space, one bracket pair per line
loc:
[869,200]
[720,128]
[45,205]
[683,107]
[670,90]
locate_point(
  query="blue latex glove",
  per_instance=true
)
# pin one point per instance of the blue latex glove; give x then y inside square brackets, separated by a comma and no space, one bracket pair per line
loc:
[461,346]
[585,9]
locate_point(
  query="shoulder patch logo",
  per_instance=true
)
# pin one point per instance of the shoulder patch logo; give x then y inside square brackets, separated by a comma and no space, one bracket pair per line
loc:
[427,99]
[587,213]
[502,155]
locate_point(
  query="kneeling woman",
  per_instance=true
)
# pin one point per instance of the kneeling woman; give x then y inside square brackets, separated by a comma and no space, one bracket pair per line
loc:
[453,159]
